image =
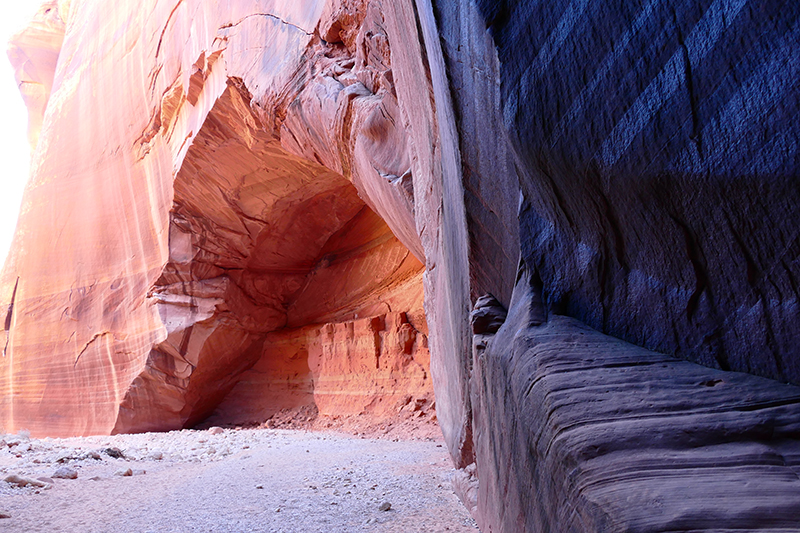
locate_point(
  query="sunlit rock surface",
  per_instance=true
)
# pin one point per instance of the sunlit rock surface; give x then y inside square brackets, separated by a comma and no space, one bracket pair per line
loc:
[33,53]
[369,366]
[238,208]
[246,177]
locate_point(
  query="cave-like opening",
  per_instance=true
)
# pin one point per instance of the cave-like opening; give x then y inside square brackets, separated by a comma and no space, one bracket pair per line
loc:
[283,290]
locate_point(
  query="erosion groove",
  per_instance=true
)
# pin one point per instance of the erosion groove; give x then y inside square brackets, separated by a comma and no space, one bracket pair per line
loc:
[689,447]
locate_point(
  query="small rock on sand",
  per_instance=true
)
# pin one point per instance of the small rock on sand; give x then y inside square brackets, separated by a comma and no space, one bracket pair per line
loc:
[21,481]
[125,473]
[4,514]
[385,506]
[65,472]
[215,431]
[116,453]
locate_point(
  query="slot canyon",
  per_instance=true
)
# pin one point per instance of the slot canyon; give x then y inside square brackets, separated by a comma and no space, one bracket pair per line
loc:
[565,233]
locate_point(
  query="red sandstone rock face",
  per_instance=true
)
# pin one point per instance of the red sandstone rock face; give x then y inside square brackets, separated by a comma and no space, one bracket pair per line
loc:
[246,177]
[367,366]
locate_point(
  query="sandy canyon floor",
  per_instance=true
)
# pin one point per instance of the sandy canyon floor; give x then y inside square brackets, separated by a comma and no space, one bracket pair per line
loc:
[271,480]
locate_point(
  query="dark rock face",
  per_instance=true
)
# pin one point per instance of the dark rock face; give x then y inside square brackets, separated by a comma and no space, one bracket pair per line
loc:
[489,175]
[655,148]
[487,316]
[594,434]
[659,162]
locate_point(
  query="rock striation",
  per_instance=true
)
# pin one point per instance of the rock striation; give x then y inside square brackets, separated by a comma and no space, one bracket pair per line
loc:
[373,366]
[617,438]
[245,207]
[656,160]
[247,177]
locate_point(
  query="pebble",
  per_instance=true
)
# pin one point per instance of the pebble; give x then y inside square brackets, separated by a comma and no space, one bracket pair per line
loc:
[21,448]
[65,472]
[215,431]
[116,453]
[385,506]
[125,473]
[21,481]
[4,514]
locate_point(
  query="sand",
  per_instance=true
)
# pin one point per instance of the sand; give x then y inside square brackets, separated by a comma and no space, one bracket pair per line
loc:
[231,480]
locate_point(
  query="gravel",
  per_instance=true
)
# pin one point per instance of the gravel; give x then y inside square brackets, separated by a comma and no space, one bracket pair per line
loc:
[228,480]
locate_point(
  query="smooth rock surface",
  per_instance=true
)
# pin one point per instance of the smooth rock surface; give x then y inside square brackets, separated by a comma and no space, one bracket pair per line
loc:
[23,481]
[65,472]
[439,212]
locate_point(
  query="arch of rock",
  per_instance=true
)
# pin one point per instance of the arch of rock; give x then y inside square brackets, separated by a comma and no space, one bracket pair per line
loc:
[237,207]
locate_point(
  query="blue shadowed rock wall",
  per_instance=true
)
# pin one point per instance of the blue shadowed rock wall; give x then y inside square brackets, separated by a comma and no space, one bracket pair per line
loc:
[655,148]
[658,146]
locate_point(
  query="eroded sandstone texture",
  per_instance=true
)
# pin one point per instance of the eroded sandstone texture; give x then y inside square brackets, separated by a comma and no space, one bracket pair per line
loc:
[235,207]
[657,160]
[372,366]
[617,438]
[233,178]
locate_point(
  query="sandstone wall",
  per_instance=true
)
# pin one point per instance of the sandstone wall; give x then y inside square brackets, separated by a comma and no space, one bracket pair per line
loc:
[657,166]
[206,174]
[371,366]
[579,431]
[658,162]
